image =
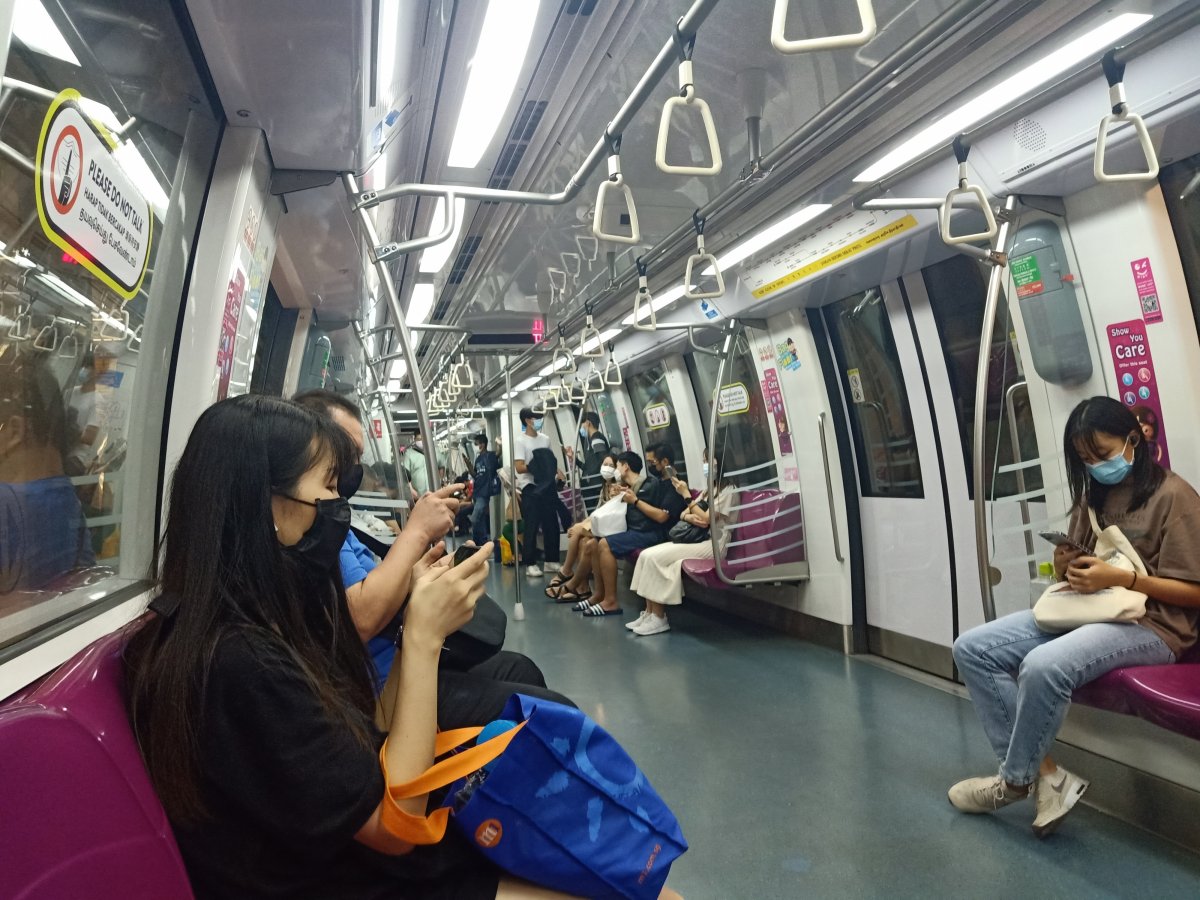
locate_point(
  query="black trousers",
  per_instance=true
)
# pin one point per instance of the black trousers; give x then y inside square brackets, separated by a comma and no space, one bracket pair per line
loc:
[478,696]
[540,512]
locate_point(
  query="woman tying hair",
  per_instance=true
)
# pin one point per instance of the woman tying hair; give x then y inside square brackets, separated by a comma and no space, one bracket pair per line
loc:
[1020,677]
[658,574]
[250,692]
[579,535]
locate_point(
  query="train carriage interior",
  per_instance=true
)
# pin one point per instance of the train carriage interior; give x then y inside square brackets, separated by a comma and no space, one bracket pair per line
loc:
[852,265]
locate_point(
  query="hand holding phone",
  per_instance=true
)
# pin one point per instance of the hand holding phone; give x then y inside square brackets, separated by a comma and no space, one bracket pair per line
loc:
[1057,538]
[669,472]
[465,552]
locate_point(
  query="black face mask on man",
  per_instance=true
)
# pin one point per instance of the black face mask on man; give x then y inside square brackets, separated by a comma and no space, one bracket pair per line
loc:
[320,546]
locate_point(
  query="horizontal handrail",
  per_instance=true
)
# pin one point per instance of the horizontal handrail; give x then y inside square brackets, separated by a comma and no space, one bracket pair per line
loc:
[758,539]
[765,555]
[386,252]
[769,462]
[866,12]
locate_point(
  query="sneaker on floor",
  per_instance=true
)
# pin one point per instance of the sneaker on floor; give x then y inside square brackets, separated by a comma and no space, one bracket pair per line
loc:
[550,567]
[533,572]
[983,795]
[1055,795]
[652,625]
[638,621]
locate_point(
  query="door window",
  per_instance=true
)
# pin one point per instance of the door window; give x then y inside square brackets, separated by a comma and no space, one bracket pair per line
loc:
[655,413]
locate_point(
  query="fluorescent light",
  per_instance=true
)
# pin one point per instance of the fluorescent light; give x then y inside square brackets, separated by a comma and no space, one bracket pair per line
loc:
[399,367]
[34,28]
[499,58]
[389,26]
[435,258]
[129,158]
[420,305]
[1004,94]
[768,236]
[499,404]
[591,344]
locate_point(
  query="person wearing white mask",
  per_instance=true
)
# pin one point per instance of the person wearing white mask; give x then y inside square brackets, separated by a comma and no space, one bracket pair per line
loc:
[537,473]
[658,574]
[579,536]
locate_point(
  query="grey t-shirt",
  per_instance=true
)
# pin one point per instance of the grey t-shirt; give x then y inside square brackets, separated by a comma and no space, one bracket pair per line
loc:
[1166,534]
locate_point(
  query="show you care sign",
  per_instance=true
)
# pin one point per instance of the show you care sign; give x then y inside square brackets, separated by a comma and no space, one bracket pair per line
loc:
[88,206]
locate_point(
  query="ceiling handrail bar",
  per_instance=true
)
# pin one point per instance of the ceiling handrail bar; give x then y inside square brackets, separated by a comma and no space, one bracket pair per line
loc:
[961,150]
[615,182]
[866,12]
[687,98]
[643,296]
[385,252]
[1114,71]
[701,255]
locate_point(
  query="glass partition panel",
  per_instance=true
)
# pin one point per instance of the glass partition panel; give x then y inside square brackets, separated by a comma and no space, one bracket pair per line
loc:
[655,412]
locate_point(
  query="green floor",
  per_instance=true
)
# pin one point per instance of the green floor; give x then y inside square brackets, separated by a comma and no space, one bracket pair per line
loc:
[796,771]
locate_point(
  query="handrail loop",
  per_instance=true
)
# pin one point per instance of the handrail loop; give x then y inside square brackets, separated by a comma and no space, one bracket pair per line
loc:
[1114,71]
[47,338]
[460,368]
[559,284]
[643,296]
[961,149]
[386,252]
[608,369]
[687,97]
[833,42]
[72,341]
[22,327]
[615,181]
[135,336]
[595,381]
[590,331]
[700,256]
[563,352]
[549,397]
[576,390]
[104,334]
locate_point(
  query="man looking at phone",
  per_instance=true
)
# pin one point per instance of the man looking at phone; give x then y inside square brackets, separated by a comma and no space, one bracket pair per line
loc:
[660,462]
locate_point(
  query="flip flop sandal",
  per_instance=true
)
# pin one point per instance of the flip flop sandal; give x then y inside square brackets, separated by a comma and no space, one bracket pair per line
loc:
[555,584]
[566,595]
[595,611]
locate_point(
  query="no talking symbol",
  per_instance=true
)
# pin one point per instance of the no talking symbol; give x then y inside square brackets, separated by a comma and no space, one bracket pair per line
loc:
[66,164]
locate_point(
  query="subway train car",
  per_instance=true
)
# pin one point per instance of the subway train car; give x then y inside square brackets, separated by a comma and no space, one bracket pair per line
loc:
[849,269]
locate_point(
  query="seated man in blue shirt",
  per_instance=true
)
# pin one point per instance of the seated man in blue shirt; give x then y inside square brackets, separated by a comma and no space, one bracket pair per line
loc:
[375,593]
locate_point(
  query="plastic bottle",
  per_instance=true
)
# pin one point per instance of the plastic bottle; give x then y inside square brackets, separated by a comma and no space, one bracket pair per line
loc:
[1045,579]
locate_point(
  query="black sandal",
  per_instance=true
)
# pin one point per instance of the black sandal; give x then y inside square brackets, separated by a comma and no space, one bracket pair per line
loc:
[567,595]
[557,582]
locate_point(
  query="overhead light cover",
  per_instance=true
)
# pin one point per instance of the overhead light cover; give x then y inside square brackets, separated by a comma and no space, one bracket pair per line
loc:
[34,28]
[435,258]
[1007,92]
[498,60]
[769,235]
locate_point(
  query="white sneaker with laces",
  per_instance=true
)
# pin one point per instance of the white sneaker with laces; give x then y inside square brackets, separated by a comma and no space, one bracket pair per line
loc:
[983,795]
[652,624]
[638,621]
[550,568]
[533,572]
[1056,794]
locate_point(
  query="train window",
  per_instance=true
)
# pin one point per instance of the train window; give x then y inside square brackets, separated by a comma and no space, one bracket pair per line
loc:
[1181,190]
[96,226]
[656,419]
[743,441]
[957,289]
[880,417]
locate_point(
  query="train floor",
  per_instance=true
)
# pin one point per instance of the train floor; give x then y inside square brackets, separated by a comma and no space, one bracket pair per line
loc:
[796,771]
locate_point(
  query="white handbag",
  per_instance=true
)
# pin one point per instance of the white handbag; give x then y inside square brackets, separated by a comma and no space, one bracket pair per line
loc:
[609,518]
[1061,609]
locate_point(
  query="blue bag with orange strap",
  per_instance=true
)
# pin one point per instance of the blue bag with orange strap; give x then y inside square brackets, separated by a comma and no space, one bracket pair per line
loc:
[563,806]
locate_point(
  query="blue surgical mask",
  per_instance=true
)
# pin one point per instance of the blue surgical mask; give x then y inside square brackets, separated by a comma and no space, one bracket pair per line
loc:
[706,470]
[1111,471]
[583,433]
[537,424]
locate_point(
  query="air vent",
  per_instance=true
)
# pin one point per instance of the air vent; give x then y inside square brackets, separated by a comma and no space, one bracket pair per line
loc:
[337,363]
[523,129]
[463,261]
[1029,135]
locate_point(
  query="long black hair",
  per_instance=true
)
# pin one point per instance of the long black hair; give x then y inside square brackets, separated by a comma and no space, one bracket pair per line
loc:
[1104,415]
[222,569]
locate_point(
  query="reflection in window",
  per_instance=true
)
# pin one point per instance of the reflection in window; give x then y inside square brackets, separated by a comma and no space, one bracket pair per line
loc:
[656,419]
[880,418]
[1181,191]
[71,345]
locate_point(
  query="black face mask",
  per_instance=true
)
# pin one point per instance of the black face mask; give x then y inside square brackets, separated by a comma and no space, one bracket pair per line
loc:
[350,481]
[321,544]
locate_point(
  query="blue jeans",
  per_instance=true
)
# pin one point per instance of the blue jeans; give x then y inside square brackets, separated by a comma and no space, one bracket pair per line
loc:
[1021,679]
[480,520]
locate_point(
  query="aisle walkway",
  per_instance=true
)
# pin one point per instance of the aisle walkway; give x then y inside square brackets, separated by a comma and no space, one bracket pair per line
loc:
[799,772]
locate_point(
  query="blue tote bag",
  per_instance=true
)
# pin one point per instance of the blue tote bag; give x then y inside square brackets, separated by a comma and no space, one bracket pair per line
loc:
[565,806]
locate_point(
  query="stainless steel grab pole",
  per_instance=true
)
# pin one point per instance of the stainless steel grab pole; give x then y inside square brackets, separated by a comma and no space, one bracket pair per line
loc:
[980,431]
[518,607]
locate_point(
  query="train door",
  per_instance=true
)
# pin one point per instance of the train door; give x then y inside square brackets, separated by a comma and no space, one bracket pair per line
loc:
[907,543]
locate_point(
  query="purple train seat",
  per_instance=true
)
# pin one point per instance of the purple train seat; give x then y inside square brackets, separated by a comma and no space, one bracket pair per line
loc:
[1168,696]
[769,528]
[80,815]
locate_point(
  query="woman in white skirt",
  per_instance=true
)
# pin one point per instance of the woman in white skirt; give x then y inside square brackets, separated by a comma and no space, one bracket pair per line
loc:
[658,575]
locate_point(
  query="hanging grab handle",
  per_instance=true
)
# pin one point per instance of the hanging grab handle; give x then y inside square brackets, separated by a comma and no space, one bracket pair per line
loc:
[550,398]
[866,13]
[961,149]
[68,348]
[47,338]
[595,381]
[576,390]
[615,182]
[463,376]
[701,256]
[590,332]
[22,327]
[135,337]
[612,372]
[687,98]
[561,352]
[119,330]
[1114,71]
[643,296]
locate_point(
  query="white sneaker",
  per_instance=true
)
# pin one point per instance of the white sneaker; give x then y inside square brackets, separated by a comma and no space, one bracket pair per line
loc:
[549,568]
[652,625]
[533,572]
[632,626]
[983,795]
[1056,794]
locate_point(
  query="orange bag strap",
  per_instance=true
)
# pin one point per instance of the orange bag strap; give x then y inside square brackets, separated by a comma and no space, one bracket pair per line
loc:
[432,828]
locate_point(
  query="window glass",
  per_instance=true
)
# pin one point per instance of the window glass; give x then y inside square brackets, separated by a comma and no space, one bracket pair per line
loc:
[880,417]
[101,109]
[1181,191]
[655,413]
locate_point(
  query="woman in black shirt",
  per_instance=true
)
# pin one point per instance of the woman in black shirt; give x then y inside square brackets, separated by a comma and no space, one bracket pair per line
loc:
[250,693]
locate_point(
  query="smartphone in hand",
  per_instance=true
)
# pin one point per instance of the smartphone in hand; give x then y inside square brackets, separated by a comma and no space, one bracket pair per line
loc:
[669,472]
[466,551]
[1057,538]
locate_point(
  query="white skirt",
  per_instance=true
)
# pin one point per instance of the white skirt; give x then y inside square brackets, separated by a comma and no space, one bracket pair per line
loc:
[658,575]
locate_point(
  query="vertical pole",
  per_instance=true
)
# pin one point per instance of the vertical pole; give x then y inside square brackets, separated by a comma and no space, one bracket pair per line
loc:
[980,432]
[518,607]
[731,332]
[413,374]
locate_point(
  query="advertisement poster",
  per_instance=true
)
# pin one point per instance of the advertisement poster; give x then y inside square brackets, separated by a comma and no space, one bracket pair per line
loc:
[1147,291]
[787,356]
[229,325]
[774,398]
[1139,388]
